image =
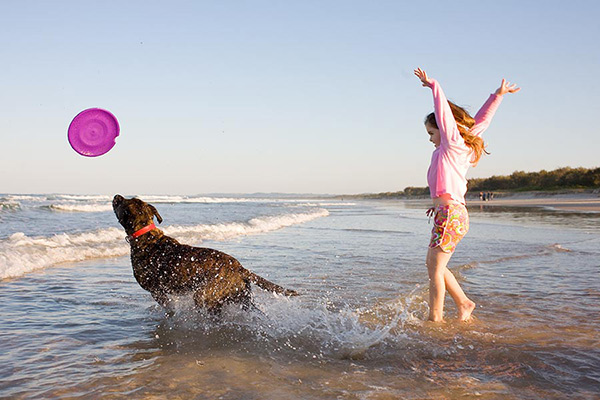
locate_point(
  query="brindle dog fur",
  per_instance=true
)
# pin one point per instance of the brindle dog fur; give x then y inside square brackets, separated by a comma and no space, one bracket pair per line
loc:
[163,266]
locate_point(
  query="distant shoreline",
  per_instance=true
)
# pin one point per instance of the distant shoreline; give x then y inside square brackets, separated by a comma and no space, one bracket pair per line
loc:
[576,200]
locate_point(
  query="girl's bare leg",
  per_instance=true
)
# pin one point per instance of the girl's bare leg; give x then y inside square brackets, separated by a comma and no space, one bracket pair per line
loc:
[440,279]
[436,266]
[464,305]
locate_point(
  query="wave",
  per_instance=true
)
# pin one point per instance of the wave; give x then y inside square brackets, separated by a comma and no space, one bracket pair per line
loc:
[234,229]
[21,254]
[80,207]
[58,201]
[9,206]
[51,197]
[92,204]
[22,197]
[201,199]
[209,199]
[324,204]
[80,197]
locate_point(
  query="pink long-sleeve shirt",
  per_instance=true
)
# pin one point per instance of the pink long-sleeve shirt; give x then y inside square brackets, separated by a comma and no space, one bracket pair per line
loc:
[451,160]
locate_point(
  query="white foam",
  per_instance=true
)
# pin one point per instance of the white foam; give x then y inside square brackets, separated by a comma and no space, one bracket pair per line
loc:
[325,204]
[208,199]
[71,207]
[79,197]
[107,199]
[17,197]
[185,199]
[20,254]
[9,205]
[234,229]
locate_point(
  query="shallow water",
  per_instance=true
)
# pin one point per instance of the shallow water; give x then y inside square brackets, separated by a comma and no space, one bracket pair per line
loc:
[81,327]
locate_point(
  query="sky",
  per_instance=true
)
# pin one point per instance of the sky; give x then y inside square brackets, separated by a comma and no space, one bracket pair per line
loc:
[287,96]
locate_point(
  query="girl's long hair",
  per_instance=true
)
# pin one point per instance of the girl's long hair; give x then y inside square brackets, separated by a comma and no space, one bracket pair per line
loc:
[464,122]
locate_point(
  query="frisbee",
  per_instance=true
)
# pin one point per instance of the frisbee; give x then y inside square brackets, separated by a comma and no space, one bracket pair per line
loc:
[93,132]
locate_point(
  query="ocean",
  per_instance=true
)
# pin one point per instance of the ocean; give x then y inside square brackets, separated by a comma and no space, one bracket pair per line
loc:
[75,324]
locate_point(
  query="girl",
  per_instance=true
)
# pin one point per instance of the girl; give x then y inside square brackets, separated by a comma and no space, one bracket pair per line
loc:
[458,144]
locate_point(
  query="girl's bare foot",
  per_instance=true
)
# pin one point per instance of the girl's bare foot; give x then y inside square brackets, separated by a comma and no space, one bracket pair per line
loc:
[465,310]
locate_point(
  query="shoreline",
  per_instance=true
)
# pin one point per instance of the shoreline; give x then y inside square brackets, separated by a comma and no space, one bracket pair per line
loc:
[573,202]
[576,201]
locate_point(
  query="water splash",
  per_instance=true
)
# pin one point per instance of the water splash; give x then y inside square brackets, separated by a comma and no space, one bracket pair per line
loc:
[309,329]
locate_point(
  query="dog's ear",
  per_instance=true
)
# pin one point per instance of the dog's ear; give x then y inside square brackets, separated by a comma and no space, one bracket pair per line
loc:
[158,217]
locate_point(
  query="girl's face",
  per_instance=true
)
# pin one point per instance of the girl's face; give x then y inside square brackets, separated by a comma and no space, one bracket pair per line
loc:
[434,134]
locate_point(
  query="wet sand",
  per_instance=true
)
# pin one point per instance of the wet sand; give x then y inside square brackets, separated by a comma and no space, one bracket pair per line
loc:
[572,202]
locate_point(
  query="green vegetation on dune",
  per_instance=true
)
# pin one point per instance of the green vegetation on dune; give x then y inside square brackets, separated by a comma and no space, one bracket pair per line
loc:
[559,179]
[566,178]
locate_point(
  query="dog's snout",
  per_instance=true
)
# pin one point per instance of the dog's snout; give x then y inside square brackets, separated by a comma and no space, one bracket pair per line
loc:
[117,199]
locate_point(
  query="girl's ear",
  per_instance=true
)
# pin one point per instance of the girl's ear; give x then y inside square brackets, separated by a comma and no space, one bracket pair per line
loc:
[155,212]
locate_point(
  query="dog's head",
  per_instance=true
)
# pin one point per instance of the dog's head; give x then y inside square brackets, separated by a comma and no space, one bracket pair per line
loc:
[134,214]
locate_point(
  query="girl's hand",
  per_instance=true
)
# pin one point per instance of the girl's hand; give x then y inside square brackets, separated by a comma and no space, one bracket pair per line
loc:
[506,87]
[422,75]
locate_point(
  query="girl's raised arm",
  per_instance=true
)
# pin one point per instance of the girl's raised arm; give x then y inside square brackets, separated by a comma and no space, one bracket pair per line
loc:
[443,114]
[486,113]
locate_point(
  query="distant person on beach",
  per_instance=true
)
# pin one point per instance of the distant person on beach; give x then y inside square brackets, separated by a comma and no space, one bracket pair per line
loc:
[458,145]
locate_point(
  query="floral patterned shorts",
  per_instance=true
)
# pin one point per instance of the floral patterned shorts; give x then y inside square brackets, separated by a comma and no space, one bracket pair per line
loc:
[450,225]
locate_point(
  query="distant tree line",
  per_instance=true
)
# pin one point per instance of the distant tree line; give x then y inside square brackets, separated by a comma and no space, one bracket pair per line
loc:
[407,192]
[558,179]
[562,178]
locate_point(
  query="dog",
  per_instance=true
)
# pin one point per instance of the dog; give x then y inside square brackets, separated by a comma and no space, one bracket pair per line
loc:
[163,266]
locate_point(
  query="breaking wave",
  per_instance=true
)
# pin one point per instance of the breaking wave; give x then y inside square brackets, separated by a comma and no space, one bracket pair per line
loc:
[9,206]
[20,254]
[81,207]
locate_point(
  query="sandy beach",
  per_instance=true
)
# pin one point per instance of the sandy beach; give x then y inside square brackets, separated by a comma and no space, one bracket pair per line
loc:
[584,202]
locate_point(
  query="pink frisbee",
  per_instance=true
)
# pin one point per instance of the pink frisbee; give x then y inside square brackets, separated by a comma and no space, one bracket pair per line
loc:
[93,132]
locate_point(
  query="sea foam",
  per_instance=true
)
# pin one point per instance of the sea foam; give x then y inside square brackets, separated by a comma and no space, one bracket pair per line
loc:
[20,254]
[9,206]
[70,207]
